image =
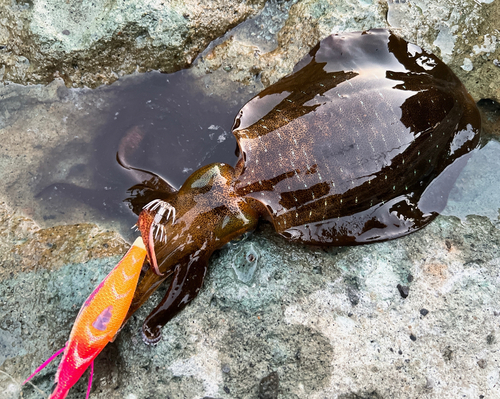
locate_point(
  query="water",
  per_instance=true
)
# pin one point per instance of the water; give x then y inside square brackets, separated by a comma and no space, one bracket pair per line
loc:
[166,124]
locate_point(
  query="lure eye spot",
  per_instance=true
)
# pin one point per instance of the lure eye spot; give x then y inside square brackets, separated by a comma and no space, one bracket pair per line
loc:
[101,323]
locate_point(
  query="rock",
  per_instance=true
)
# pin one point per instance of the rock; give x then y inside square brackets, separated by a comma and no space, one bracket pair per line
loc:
[88,44]
[304,24]
[462,33]
[138,36]
[329,323]
[290,319]
[26,247]
[404,290]
[268,386]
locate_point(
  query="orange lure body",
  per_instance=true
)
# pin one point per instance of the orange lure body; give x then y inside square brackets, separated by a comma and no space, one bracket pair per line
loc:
[98,321]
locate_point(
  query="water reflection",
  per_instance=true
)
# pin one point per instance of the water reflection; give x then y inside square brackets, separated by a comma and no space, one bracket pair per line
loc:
[169,125]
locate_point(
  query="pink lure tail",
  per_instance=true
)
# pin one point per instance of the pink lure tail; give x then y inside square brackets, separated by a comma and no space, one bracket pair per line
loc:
[44,364]
[98,321]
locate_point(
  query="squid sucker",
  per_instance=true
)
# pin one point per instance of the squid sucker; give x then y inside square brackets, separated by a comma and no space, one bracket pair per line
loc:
[361,143]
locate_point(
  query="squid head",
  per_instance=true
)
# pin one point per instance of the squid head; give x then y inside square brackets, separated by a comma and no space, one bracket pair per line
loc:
[180,231]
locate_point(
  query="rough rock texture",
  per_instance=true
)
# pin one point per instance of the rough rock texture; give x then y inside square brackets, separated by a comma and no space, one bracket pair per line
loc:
[91,43]
[306,23]
[329,323]
[58,145]
[417,317]
[464,34]
[25,247]
[46,132]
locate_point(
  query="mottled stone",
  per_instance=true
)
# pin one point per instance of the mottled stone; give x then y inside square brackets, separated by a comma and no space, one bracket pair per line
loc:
[40,41]
[331,323]
[26,247]
[464,34]
[91,43]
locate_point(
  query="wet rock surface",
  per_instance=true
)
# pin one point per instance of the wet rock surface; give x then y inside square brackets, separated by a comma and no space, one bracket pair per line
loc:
[463,34]
[26,247]
[95,43]
[291,321]
[59,145]
[273,319]
[91,43]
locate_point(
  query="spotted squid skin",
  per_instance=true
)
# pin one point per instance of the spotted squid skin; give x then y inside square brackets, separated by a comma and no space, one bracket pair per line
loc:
[344,149]
[361,143]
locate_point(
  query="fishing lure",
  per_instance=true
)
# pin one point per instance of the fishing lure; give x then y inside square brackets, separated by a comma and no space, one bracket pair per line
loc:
[99,320]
